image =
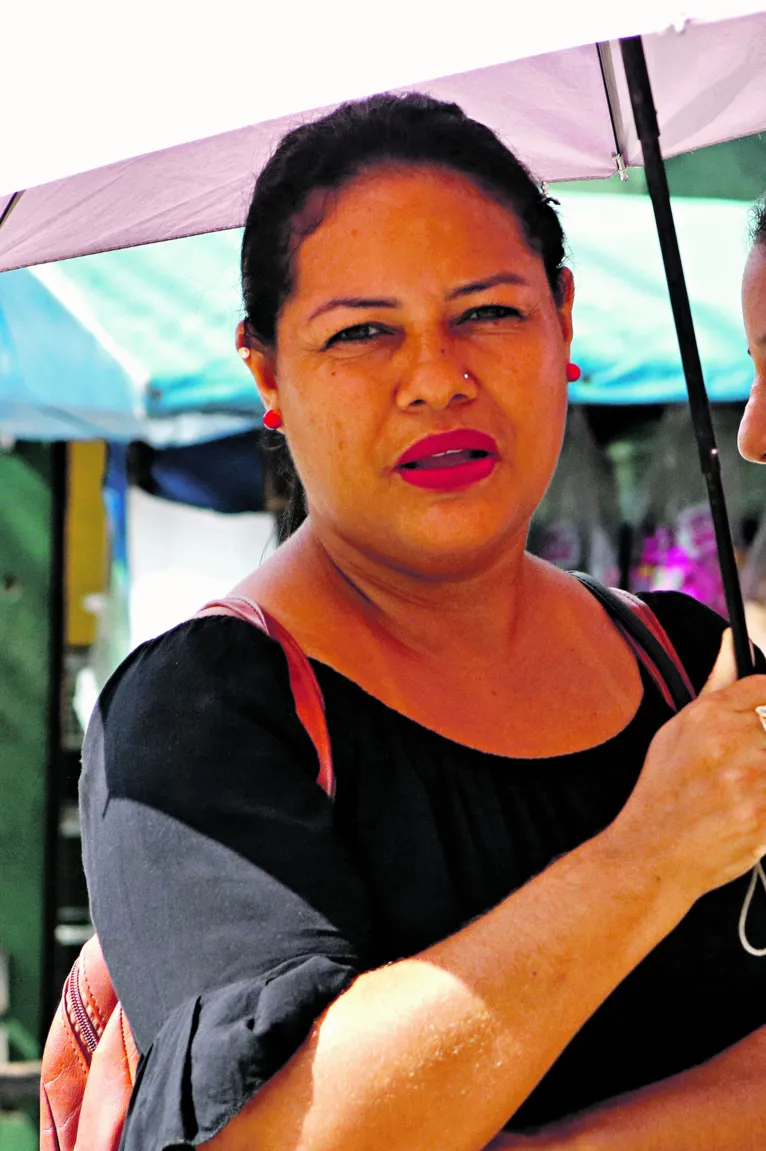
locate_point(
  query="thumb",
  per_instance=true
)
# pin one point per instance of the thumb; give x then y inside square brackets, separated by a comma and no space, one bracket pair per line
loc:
[725,668]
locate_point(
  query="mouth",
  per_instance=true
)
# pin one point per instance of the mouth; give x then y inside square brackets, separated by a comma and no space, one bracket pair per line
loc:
[449,461]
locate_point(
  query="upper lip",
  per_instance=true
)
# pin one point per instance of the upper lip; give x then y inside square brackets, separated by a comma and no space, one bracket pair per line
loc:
[462,439]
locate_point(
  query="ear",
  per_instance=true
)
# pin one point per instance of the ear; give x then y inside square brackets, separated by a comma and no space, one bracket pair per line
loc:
[260,361]
[564,303]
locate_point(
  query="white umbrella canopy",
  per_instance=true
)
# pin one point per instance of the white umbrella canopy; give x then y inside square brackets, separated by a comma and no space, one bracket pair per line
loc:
[154,128]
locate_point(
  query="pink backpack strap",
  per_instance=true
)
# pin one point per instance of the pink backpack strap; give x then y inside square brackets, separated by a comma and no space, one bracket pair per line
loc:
[653,625]
[309,701]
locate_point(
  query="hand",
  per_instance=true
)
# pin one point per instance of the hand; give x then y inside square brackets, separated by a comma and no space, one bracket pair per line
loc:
[699,807]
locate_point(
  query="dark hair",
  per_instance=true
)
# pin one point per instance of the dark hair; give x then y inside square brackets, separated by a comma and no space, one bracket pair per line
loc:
[758,223]
[325,154]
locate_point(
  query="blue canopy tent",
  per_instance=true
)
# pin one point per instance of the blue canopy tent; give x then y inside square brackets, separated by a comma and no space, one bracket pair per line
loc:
[135,344]
[625,339]
[138,344]
[54,372]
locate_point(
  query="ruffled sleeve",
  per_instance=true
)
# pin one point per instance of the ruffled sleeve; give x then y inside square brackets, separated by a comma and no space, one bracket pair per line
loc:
[230,912]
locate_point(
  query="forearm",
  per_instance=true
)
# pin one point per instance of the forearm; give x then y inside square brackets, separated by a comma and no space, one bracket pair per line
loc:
[441,1049]
[718,1106]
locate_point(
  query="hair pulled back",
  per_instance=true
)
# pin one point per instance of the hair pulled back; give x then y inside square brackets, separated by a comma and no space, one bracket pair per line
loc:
[326,154]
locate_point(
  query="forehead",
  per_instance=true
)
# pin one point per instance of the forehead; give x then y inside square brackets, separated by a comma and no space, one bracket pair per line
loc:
[392,222]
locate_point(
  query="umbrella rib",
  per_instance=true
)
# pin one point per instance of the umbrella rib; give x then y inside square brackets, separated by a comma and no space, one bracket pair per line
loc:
[10,206]
[613,105]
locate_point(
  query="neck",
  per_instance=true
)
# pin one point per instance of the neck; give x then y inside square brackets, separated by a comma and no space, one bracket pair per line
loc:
[478,608]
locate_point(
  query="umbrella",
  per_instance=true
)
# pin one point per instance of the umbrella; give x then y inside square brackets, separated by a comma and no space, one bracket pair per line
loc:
[160,134]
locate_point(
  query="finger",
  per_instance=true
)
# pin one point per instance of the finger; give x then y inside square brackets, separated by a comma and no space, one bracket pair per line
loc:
[724,670]
[742,696]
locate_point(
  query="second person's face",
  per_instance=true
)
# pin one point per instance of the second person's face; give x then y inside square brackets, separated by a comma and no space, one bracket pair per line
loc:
[419,308]
[752,432]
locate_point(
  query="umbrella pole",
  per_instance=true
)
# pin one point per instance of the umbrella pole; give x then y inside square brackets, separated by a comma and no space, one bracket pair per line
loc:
[648,131]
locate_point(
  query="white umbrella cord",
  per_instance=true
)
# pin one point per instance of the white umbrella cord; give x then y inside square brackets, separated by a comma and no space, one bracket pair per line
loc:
[757,873]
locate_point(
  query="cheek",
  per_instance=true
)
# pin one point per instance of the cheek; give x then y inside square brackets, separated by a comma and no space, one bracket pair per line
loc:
[539,440]
[331,445]
[544,408]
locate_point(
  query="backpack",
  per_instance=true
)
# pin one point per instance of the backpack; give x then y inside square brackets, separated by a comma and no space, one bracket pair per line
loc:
[90,1060]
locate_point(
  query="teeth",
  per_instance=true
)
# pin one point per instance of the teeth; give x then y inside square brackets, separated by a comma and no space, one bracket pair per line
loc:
[450,452]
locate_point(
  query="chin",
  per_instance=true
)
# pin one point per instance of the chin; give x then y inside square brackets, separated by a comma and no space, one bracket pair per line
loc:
[444,550]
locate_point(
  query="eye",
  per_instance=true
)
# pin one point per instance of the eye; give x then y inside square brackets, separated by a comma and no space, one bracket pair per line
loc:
[491,312]
[356,334]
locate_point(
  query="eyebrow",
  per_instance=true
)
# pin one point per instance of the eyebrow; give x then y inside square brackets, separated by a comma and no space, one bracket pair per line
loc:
[353,302]
[382,302]
[492,282]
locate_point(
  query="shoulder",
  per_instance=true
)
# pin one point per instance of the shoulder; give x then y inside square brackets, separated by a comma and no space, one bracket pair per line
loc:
[212,647]
[694,629]
[201,664]
[211,691]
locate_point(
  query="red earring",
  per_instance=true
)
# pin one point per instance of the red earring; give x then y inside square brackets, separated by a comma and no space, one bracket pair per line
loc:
[573,372]
[272,419]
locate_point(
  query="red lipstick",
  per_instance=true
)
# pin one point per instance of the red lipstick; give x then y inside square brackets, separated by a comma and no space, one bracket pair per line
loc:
[449,460]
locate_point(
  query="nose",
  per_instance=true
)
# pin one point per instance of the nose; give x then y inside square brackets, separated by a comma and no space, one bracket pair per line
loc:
[752,430]
[436,380]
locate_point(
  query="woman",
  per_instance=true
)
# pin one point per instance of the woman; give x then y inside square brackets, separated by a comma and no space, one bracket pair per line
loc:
[752,432]
[523,900]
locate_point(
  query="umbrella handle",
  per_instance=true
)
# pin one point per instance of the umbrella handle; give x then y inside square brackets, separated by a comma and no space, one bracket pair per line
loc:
[648,130]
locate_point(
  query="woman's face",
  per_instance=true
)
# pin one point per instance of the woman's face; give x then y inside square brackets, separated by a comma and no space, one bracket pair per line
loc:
[752,431]
[418,309]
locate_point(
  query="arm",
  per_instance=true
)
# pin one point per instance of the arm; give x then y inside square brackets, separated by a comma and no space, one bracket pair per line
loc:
[718,1106]
[440,1050]
[401,1059]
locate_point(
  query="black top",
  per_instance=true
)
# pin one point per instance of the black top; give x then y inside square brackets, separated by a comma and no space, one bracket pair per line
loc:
[235,901]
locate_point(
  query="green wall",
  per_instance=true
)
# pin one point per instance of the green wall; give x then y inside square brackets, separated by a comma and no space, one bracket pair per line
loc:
[18,1133]
[27,572]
